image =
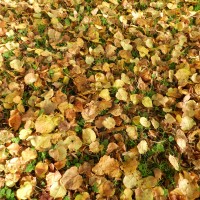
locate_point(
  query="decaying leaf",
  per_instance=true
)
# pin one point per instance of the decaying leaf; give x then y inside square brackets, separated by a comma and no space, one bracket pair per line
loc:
[122,94]
[57,190]
[144,122]
[187,123]
[108,166]
[41,169]
[88,135]
[174,161]
[147,102]
[45,124]
[25,191]
[71,179]
[131,181]
[142,147]
[132,132]
[105,94]
[109,123]
[73,143]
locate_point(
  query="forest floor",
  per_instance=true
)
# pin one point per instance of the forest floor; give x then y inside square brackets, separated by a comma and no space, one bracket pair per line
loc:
[100,99]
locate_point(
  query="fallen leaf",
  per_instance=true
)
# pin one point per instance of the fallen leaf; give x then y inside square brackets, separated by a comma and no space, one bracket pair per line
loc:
[41,169]
[174,162]
[147,102]
[187,123]
[45,124]
[73,142]
[109,123]
[71,179]
[142,147]
[122,94]
[25,191]
[131,181]
[17,65]
[108,166]
[88,135]
[15,120]
[57,190]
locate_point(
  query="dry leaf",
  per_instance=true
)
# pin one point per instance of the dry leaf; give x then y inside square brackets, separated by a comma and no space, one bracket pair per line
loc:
[25,191]
[17,65]
[109,123]
[73,142]
[57,190]
[15,121]
[187,123]
[174,162]
[144,122]
[131,181]
[142,147]
[132,132]
[147,102]
[45,124]
[88,135]
[122,94]
[41,169]
[105,94]
[108,166]
[71,179]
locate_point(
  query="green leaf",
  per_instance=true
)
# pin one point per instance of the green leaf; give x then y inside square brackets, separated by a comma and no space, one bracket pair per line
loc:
[41,28]
[15,140]
[8,54]
[67,22]
[30,167]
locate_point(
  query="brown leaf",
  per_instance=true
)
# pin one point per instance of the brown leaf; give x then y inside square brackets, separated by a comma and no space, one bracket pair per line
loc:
[71,179]
[108,166]
[41,169]
[15,120]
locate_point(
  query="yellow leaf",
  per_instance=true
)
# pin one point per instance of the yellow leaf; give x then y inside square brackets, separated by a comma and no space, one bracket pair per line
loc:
[144,122]
[132,132]
[41,169]
[130,181]
[109,123]
[89,60]
[118,83]
[141,194]
[59,153]
[122,94]
[125,44]
[174,162]
[187,123]
[30,78]
[142,50]
[134,98]
[29,154]
[147,102]
[127,194]
[73,142]
[17,65]
[142,147]
[181,140]
[88,135]
[45,124]
[25,190]
[105,94]
[83,196]
[57,190]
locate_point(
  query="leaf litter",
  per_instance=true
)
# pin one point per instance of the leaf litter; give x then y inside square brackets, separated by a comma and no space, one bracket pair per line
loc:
[99,99]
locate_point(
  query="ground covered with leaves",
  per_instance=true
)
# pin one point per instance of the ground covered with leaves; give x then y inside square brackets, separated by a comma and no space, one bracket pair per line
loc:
[99,99]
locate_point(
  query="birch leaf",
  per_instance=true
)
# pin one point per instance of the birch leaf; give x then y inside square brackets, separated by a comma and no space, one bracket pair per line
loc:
[174,162]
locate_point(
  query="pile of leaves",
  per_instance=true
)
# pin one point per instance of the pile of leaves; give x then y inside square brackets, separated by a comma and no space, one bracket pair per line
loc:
[99,99]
